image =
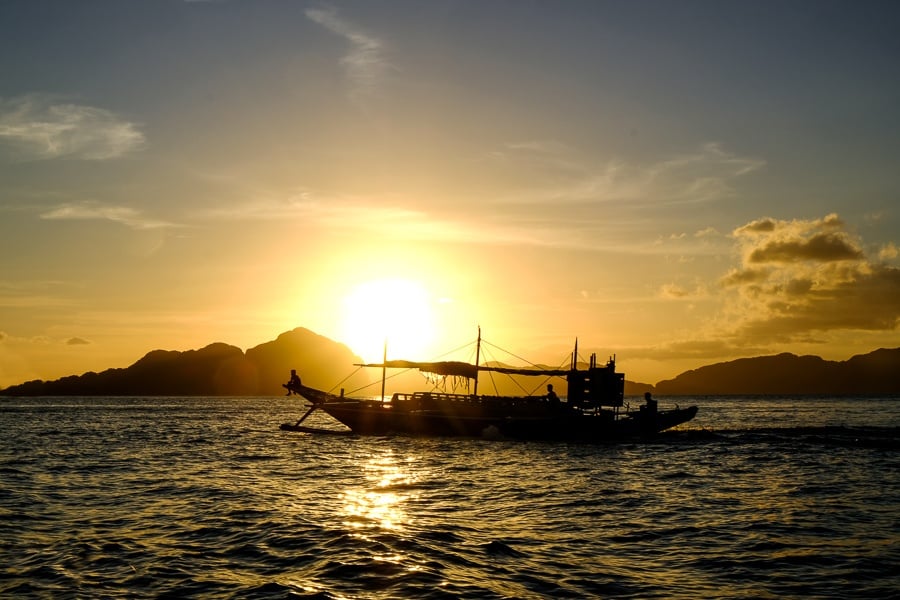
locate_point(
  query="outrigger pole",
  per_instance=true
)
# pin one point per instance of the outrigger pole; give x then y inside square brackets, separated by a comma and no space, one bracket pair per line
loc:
[309,412]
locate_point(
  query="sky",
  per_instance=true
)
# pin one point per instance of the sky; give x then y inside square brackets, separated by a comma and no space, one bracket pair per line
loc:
[676,183]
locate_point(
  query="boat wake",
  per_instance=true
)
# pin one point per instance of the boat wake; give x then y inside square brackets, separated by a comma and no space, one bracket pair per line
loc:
[887,438]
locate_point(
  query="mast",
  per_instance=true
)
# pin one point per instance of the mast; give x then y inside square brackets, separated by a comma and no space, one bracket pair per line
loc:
[383,370]
[477,358]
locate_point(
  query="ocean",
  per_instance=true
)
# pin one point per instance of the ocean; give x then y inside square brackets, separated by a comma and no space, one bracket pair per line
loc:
[758,497]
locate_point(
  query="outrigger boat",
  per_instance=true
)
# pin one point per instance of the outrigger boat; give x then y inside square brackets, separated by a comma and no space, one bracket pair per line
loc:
[591,412]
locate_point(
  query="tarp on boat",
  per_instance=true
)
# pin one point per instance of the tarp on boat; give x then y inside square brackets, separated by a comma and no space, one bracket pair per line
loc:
[454,368]
[450,368]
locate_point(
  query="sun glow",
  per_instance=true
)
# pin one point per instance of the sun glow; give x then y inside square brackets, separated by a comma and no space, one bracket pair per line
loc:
[393,311]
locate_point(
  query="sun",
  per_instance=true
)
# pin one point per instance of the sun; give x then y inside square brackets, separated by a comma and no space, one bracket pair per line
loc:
[397,312]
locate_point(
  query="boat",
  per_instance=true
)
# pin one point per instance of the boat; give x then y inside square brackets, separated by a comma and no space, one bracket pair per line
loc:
[593,410]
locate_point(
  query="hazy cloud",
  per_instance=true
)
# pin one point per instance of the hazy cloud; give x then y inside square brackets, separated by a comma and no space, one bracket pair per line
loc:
[364,63]
[551,171]
[674,291]
[696,349]
[41,129]
[76,341]
[888,252]
[84,211]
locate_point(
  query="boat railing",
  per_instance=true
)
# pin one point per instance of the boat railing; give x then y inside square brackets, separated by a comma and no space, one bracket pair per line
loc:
[420,397]
[427,399]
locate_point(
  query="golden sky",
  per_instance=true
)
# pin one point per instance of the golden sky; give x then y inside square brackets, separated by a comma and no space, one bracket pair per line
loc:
[678,183]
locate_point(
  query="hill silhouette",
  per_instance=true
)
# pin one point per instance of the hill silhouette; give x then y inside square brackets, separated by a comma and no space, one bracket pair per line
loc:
[215,370]
[872,373]
[224,370]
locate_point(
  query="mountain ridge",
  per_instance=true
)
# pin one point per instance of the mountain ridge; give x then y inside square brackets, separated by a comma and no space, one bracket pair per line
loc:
[220,369]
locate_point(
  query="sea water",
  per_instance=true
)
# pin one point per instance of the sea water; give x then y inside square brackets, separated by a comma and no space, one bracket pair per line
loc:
[205,497]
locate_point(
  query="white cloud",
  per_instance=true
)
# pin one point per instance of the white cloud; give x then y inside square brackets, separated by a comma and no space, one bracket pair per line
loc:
[552,172]
[42,129]
[364,62]
[124,215]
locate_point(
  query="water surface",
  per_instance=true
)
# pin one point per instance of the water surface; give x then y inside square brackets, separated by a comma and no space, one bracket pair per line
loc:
[205,497]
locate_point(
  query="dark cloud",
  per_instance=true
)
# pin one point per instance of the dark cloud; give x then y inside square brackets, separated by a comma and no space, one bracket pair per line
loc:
[76,341]
[744,276]
[822,247]
[870,300]
[758,226]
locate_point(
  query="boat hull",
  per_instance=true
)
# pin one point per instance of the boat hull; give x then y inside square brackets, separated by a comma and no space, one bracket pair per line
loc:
[526,418]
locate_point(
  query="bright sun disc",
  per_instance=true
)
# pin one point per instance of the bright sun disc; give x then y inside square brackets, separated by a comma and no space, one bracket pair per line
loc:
[396,311]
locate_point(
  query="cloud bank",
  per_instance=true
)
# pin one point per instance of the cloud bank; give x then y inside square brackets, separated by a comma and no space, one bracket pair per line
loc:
[801,278]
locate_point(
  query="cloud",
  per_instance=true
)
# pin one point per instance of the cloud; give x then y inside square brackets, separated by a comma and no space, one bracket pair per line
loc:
[675,291]
[696,349]
[562,206]
[34,294]
[41,129]
[825,247]
[364,63]
[888,252]
[364,214]
[550,171]
[76,341]
[84,211]
[802,277]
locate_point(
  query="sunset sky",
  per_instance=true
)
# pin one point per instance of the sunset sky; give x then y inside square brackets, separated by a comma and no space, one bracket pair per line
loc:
[676,182]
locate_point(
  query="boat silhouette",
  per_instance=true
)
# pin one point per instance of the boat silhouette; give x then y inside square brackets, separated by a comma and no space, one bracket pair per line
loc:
[593,410]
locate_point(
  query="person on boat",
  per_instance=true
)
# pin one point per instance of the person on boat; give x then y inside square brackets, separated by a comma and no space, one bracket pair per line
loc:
[551,395]
[651,404]
[295,381]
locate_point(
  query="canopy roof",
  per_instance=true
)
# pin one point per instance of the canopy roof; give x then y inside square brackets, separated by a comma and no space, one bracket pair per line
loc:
[455,368]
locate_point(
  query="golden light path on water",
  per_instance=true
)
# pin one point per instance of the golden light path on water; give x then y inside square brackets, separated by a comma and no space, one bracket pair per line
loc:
[381,504]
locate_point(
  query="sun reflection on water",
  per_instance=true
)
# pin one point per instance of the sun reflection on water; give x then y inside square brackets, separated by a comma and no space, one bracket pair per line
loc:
[380,503]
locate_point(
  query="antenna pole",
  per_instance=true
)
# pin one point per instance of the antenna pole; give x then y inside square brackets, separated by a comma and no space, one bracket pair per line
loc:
[477,358]
[383,370]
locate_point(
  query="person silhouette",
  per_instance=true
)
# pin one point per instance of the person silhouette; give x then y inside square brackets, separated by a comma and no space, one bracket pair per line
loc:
[651,404]
[551,395]
[295,381]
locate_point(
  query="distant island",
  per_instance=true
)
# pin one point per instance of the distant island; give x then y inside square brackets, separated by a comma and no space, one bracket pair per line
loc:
[224,370]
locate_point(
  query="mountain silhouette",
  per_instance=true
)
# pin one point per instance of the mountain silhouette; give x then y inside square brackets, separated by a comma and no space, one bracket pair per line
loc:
[224,370]
[216,370]
[872,373]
